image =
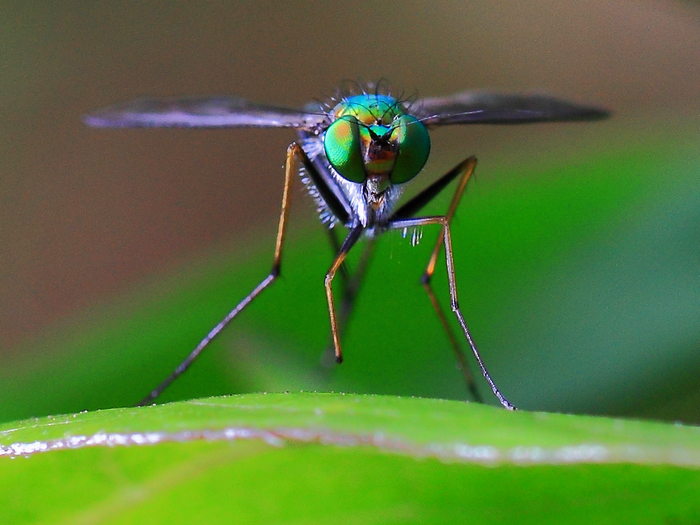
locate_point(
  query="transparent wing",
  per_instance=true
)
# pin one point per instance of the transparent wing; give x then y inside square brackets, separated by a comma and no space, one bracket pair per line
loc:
[484,107]
[204,112]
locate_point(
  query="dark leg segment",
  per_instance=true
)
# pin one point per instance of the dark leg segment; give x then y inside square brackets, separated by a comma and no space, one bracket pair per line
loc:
[289,174]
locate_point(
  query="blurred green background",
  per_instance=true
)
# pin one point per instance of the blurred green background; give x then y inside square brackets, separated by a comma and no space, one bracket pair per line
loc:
[577,246]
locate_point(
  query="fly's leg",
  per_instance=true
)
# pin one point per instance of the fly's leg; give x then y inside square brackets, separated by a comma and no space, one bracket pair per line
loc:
[351,282]
[464,171]
[352,286]
[467,168]
[348,243]
[289,174]
[454,303]
[343,271]
[327,359]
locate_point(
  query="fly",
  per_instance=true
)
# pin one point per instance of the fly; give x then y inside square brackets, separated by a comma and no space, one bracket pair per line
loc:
[356,152]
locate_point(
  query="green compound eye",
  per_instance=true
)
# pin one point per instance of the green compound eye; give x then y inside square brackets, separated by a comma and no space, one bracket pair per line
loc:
[343,148]
[414,148]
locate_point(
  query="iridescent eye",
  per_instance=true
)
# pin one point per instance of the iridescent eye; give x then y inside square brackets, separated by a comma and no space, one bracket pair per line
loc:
[342,145]
[414,148]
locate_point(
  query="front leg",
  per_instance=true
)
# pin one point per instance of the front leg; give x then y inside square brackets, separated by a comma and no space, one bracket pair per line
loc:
[348,243]
[350,286]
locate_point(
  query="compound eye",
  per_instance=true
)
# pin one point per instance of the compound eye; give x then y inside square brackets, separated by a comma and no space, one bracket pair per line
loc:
[413,151]
[343,148]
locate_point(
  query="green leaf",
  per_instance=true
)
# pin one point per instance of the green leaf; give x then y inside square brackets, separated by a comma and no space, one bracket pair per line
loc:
[332,458]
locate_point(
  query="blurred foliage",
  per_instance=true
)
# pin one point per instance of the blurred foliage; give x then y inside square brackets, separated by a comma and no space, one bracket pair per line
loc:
[580,281]
[338,459]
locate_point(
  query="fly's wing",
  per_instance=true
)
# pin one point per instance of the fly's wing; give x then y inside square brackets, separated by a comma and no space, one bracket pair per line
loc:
[484,107]
[204,112]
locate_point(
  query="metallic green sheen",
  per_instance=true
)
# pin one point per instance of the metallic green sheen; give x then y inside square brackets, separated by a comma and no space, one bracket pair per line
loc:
[348,137]
[342,145]
[414,149]
[371,109]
